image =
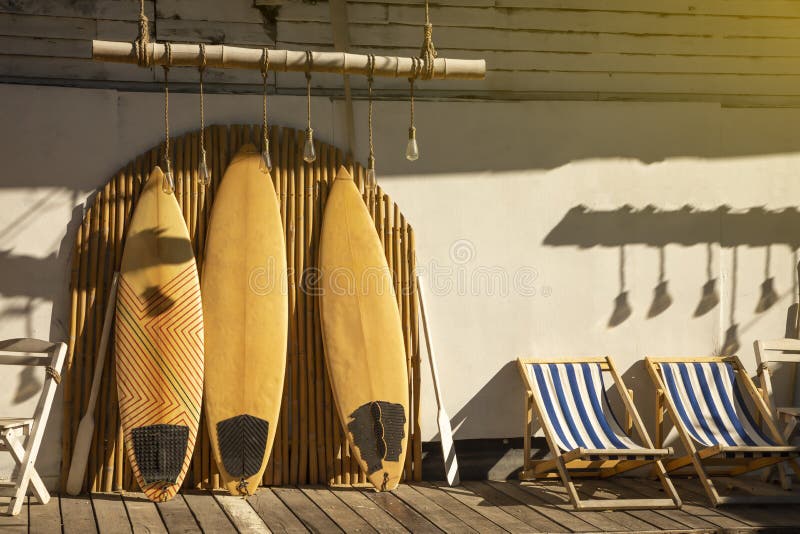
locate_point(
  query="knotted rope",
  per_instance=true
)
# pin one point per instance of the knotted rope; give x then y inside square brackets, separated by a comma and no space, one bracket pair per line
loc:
[416,66]
[370,75]
[309,66]
[166,67]
[51,372]
[264,69]
[428,52]
[202,103]
[143,39]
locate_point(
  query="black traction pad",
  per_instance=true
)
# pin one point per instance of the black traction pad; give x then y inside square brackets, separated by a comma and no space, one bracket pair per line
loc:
[160,451]
[242,444]
[378,430]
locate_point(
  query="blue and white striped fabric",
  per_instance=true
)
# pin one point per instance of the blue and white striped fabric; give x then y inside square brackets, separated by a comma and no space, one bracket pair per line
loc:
[574,399]
[710,404]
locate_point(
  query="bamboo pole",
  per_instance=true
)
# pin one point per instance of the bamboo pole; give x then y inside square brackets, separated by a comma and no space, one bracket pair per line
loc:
[319,378]
[287,138]
[328,409]
[302,358]
[311,362]
[405,286]
[225,56]
[107,260]
[91,323]
[294,407]
[69,383]
[411,258]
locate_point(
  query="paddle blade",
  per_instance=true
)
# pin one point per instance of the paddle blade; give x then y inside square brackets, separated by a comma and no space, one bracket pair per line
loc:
[80,455]
[448,450]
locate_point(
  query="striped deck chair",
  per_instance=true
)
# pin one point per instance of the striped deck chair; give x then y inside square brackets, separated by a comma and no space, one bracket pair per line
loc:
[708,400]
[569,400]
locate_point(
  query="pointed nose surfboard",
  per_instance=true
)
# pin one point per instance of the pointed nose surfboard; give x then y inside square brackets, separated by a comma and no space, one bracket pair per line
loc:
[245,305]
[363,336]
[159,343]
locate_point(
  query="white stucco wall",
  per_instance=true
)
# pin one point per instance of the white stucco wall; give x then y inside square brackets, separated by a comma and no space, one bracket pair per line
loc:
[493,195]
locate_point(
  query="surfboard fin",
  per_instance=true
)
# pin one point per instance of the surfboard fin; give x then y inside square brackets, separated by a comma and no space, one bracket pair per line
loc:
[242,444]
[160,451]
[378,429]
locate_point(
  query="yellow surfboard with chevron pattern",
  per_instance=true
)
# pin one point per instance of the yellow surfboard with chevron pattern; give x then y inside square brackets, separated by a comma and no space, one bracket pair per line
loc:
[159,343]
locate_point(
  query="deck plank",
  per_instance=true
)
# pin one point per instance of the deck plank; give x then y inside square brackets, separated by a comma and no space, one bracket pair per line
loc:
[441,517]
[278,517]
[599,489]
[456,507]
[646,489]
[245,519]
[493,513]
[14,523]
[44,518]
[312,517]
[177,517]
[143,514]
[555,494]
[77,515]
[373,514]
[110,514]
[755,516]
[207,511]
[338,511]
[527,515]
[404,514]
[566,519]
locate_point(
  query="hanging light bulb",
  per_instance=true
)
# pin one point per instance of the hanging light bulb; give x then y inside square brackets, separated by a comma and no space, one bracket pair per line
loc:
[265,164]
[167,181]
[205,172]
[412,149]
[309,154]
[371,180]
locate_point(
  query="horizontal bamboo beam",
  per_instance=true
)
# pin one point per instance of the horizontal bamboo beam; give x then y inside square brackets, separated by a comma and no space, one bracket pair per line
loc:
[235,57]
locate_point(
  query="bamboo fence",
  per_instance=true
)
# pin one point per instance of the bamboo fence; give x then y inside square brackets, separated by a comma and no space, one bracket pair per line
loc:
[310,445]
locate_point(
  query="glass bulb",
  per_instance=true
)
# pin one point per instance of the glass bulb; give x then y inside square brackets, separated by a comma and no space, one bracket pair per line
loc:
[265,164]
[309,154]
[204,171]
[412,149]
[371,181]
[168,182]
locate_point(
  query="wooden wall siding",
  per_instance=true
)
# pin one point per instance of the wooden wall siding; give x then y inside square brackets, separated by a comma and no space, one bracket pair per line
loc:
[728,50]
[309,446]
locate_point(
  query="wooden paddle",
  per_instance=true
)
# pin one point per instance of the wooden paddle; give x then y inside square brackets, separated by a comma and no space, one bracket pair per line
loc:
[442,419]
[83,441]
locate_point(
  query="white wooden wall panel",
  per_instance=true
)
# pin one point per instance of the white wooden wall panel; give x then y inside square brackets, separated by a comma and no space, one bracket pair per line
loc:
[656,50]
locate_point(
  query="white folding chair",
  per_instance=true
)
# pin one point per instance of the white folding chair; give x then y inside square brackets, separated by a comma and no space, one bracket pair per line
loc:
[785,351]
[22,436]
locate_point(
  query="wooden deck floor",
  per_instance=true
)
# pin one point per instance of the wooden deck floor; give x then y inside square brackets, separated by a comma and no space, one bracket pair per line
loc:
[422,507]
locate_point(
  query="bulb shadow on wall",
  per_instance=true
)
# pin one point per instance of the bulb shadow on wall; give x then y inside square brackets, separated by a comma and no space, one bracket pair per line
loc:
[688,226]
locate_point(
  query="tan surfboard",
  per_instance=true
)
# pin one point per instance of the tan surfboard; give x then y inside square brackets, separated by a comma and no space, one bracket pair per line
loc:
[245,304]
[363,336]
[158,343]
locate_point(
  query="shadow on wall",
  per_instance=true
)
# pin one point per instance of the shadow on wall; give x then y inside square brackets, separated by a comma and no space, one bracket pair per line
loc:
[688,226]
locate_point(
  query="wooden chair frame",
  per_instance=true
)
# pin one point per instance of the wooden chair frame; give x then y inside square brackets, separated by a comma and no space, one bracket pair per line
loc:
[594,463]
[13,431]
[706,459]
[773,351]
